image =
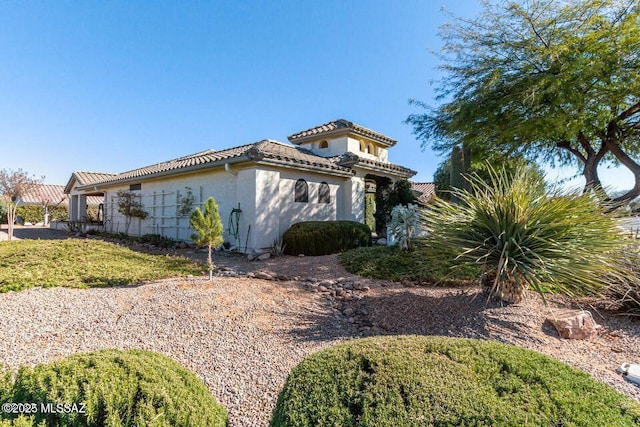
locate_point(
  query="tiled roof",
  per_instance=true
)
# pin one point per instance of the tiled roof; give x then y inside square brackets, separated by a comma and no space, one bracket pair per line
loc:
[350,159]
[85,178]
[266,151]
[340,126]
[425,191]
[52,195]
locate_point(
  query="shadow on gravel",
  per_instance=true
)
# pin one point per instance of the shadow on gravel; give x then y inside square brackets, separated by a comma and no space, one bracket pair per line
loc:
[459,313]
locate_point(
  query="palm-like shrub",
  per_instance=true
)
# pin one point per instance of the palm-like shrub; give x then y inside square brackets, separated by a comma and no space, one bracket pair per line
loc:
[523,235]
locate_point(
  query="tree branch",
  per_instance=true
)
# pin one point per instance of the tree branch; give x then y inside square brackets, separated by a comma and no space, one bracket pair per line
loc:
[629,112]
[566,145]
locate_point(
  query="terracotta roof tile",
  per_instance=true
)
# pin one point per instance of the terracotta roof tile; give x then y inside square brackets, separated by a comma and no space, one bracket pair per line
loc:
[267,151]
[338,126]
[53,195]
[425,190]
[351,159]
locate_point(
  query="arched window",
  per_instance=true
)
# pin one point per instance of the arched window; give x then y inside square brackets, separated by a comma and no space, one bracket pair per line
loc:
[362,146]
[369,149]
[324,144]
[302,191]
[324,193]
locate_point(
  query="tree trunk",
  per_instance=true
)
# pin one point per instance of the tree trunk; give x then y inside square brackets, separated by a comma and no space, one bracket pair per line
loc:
[508,291]
[630,164]
[210,263]
[11,218]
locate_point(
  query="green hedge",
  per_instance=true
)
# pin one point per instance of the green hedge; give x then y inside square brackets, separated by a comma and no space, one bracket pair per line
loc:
[35,213]
[437,381]
[325,237]
[118,388]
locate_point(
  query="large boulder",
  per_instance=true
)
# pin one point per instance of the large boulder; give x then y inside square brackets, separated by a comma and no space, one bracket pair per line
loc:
[575,324]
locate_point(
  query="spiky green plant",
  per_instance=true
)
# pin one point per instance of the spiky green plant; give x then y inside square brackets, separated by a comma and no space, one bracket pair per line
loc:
[523,235]
[208,227]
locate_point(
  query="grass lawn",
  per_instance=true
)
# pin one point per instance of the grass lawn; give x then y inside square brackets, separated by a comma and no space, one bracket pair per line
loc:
[83,263]
[417,264]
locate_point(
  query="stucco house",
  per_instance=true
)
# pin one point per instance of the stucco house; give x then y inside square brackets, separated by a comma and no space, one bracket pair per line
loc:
[262,188]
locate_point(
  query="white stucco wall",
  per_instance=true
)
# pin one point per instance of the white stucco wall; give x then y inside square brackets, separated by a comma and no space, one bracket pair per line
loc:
[266,196]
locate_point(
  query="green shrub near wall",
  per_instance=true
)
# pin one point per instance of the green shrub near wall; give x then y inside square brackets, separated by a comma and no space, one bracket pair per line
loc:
[325,237]
[117,388]
[435,381]
[35,213]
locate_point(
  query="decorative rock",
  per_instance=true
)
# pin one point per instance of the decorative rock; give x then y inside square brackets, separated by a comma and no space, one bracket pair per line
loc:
[322,288]
[575,324]
[263,257]
[251,257]
[348,311]
[264,276]
[327,283]
[283,278]
[381,241]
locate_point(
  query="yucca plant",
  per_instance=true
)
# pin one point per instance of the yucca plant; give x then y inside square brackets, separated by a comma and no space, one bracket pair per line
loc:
[523,235]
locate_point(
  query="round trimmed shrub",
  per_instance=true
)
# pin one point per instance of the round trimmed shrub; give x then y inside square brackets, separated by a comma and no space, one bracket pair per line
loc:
[325,237]
[115,388]
[437,381]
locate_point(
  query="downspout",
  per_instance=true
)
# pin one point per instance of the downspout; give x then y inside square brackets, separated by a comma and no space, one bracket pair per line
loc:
[228,169]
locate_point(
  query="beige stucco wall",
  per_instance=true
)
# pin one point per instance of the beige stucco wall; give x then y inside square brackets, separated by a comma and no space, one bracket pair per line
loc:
[341,145]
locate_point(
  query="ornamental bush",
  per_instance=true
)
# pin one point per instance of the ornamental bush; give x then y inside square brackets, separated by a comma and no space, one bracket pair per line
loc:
[35,213]
[116,388]
[325,237]
[437,381]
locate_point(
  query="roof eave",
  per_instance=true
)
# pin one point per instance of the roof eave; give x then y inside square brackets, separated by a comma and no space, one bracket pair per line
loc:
[181,171]
[339,132]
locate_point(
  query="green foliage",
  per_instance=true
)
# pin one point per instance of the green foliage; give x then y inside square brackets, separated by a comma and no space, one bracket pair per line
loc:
[419,263]
[624,289]
[3,211]
[83,263]
[522,235]
[130,205]
[186,203]
[482,161]
[35,213]
[208,227]
[370,210]
[117,388]
[155,240]
[389,195]
[437,381]
[207,224]
[544,79]
[325,237]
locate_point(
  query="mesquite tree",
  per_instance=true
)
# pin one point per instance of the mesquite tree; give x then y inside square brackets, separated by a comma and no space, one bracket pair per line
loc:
[13,186]
[552,80]
[208,227]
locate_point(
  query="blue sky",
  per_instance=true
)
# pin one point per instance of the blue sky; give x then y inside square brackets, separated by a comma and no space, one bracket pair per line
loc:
[112,86]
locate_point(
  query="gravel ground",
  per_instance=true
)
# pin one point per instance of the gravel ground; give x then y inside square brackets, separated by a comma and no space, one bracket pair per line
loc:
[242,336]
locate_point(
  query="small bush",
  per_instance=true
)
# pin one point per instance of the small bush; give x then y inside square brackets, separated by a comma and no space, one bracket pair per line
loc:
[419,263]
[155,240]
[436,381]
[324,238]
[35,213]
[117,388]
